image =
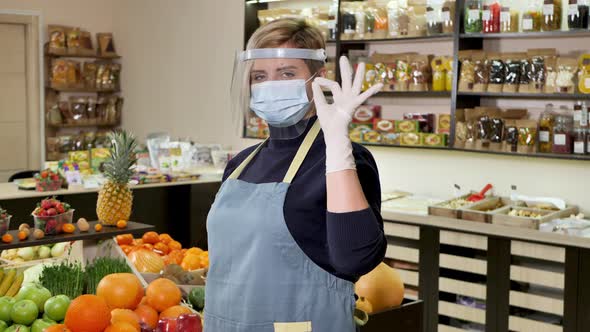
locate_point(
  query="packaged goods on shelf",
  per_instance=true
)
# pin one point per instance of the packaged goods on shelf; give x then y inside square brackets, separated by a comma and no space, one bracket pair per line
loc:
[577,15]
[491,16]
[85,111]
[89,75]
[532,17]
[509,17]
[551,19]
[322,17]
[65,40]
[584,75]
[473,16]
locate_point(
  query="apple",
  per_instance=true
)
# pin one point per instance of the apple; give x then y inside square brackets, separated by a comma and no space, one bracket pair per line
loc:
[41,324]
[35,293]
[3,326]
[6,304]
[24,312]
[56,307]
[17,328]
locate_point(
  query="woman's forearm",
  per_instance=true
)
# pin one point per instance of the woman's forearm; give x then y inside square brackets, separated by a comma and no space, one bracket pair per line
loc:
[344,192]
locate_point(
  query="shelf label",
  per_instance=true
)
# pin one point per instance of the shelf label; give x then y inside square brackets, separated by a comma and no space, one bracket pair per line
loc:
[505,17]
[548,10]
[527,24]
[487,15]
[559,139]
[473,14]
[544,136]
[579,147]
[573,10]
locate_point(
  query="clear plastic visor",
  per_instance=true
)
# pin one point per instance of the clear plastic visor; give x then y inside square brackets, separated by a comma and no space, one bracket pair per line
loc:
[275,82]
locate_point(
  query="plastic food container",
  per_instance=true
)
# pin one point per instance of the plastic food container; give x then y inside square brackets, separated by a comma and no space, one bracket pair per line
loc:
[53,225]
[48,185]
[5,224]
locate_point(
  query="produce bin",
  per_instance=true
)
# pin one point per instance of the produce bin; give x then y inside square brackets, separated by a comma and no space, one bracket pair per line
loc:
[407,318]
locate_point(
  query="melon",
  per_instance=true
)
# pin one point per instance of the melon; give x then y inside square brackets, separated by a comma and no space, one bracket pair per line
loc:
[383,288]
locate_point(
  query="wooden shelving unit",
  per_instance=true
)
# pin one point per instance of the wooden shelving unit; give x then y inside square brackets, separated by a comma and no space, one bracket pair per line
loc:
[81,125]
[83,89]
[81,56]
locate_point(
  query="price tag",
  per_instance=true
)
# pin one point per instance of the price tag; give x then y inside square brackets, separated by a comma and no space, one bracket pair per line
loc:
[544,136]
[559,139]
[573,10]
[548,10]
[474,14]
[579,147]
[527,24]
[505,17]
[446,16]
[487,15]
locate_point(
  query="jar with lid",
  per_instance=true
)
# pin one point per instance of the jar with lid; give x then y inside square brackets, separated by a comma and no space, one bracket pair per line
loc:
[580,140]
[531,18]
[473,15]
[577,14]
[491,16]
[348,21]
[508,17]
[448,16]
[551,15]
[434,24]
[546,124]
[562,134]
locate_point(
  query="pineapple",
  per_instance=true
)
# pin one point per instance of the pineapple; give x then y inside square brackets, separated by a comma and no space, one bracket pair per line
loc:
[115,197]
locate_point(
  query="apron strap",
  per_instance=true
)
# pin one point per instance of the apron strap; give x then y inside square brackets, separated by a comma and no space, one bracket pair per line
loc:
[297,160]
[302,152]
[236,173]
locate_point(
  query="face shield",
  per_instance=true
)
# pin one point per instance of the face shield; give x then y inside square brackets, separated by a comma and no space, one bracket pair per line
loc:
[274,84]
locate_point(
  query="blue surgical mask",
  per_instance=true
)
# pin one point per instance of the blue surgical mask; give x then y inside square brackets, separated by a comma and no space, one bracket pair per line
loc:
[280,103]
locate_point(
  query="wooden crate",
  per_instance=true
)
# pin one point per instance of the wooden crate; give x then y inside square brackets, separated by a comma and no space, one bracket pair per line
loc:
[441,211]
[483,210]
[407,317]
[501,216]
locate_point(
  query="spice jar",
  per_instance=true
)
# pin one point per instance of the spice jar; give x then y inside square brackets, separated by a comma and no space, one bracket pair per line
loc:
[531,18]
[448,16]
[577,14]
[491,16]
[551,15]
[580,142]
[473,14]
[562,134]
[508,17]
[546,124]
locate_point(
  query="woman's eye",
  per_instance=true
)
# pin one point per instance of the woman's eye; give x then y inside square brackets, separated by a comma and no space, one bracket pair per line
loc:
[258,78]
[288,75]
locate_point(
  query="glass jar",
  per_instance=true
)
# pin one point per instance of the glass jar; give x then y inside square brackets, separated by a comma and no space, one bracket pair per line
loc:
[348,22]
[580,115]
[448,16]
[491,16]
[531,18]
[473,14]
[508,17]
[580,141]
[546,124]
[392,18]
[551,15]
[577,14]
[562,134]
[434,24]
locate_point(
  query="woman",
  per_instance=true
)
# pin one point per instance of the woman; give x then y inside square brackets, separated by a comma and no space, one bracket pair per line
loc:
[297,219]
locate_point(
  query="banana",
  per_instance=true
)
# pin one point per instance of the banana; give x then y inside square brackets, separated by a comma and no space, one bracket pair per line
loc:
[1,274]
[15,287]
[7,281]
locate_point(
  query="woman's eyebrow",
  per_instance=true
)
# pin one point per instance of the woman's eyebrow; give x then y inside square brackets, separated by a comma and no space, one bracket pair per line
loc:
[287,67]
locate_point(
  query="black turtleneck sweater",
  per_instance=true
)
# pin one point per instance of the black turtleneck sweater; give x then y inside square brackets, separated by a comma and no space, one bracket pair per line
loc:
[346,245]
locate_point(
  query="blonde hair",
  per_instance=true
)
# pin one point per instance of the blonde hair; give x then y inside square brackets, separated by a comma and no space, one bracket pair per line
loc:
[293,32]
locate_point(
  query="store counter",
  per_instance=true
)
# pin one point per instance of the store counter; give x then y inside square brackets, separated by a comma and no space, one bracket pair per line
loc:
[486,275]
[177,208]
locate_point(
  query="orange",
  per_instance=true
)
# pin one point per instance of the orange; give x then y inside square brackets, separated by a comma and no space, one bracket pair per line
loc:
[88,313]
[137,242]
[147,315]
[204,261]
[191,262]
[7,238]
[98,227]
[69,228]
[143,301]
[162,248]
[124,239]
[57,328]
[121,224]
[174,257]
[151,238]
[121,327]
[163,294]
[126,248]
[194,251]
[166,238]
[22,235]
[174,245]
[125,315]
[175,311]
[120,290]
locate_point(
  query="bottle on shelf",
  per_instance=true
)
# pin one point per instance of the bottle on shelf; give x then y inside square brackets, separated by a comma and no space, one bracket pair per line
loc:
[580,141]
[577,14]
[546,124]
[563,134]
[473,14]
[551,15]
[491,16]
[508,17]
[434,24]
[531,18]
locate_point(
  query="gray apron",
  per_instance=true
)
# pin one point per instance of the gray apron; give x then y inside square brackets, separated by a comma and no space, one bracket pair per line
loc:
[259,279]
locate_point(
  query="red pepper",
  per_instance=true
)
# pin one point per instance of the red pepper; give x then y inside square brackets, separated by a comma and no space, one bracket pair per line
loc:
[166,325]
[189,323]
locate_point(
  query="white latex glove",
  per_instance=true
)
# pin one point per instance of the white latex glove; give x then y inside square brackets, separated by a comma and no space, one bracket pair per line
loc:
[336,117]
